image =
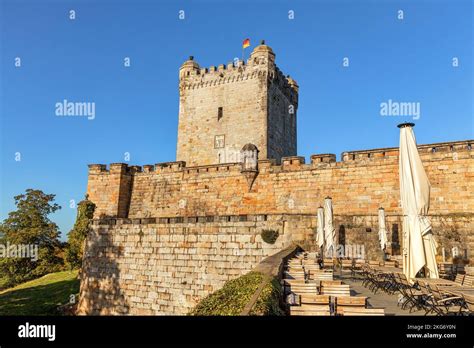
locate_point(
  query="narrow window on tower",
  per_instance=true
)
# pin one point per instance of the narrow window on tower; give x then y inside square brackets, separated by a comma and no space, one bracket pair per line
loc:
[220,113]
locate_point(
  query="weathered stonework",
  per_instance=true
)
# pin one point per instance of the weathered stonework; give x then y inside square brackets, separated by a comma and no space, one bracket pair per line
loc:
[257,105]
[139,268]
[168,234]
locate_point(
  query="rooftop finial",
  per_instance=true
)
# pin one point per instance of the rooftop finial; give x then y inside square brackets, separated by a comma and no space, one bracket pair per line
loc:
[191,57]
[262,42]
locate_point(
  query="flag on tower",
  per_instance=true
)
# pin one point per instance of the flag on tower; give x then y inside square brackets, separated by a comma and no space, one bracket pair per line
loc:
[246,43]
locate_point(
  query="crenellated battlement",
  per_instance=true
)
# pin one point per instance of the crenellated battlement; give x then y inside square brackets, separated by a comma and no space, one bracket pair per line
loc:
[435,151]
[362,184]
[260,65]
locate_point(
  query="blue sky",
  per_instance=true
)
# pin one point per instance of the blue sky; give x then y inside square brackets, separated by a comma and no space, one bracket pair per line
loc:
[406,60]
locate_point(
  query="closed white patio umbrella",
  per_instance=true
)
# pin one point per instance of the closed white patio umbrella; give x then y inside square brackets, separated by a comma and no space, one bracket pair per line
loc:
[329,230]
[419,244]
[383,239]
[320,228]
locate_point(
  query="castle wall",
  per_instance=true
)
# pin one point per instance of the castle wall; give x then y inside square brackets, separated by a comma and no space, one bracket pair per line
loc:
[358,185]
[158,268]
[281,122]
[189,229]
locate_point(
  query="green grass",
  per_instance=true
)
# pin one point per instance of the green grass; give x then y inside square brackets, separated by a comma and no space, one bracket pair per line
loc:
[41,296]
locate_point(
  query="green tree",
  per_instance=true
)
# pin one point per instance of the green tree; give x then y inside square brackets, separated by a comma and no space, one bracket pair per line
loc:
[30,226]
[78,234]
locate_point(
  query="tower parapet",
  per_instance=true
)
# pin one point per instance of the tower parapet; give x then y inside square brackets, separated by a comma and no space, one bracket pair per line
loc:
[225,107]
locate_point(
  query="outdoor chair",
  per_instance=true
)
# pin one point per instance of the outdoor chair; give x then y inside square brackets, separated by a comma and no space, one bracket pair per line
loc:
[413,298]
[357,268]
[444,304]
[468,280]
[375,280]
[381,281]
[367,275]
[459,279]
[468,305]
[425,299]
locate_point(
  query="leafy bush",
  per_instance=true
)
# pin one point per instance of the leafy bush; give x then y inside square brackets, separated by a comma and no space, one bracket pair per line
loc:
[237,293]
[269,236]
[77,236]
[232,298]
[268,303]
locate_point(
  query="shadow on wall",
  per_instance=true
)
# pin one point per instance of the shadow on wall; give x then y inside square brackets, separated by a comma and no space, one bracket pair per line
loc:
[100,292]
[395,240]
[342,235]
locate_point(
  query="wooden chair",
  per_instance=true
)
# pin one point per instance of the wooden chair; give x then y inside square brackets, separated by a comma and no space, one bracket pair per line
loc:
[468,307]
[413,298]
[357,268]
[444,304]
[468,280]
[336,290]
[311,310]
[359,311]
[459,279]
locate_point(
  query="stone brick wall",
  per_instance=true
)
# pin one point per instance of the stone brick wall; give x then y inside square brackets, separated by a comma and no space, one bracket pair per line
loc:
[148,267]
[189,229]
[358,185]
[254,98]
[281,122]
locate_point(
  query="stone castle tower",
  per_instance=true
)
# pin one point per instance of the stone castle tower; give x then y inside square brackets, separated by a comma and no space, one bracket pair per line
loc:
[225,108]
